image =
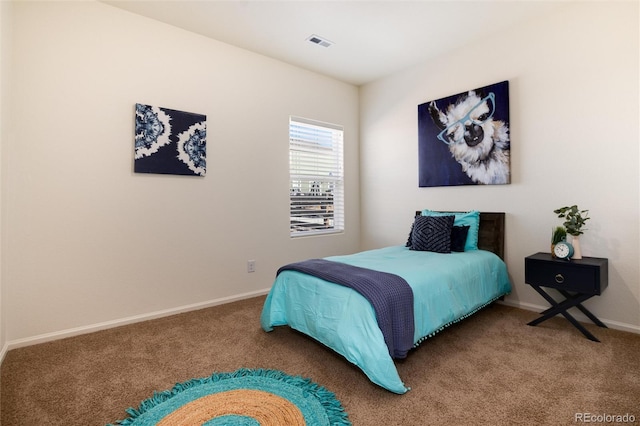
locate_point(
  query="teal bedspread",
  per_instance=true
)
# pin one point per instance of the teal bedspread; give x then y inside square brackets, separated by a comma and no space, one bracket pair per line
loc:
[446,288]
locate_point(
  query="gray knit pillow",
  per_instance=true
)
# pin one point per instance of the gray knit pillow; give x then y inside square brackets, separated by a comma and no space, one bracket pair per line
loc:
[432,233]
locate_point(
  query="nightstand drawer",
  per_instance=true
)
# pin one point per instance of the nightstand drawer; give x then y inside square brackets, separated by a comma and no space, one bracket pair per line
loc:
[586,276]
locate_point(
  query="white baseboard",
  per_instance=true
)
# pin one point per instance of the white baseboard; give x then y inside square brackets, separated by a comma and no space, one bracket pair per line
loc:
[616,325]
[14,344]
[3,352]
[42,338]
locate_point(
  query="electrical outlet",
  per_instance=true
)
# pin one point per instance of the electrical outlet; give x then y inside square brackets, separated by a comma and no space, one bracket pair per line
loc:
[251,265]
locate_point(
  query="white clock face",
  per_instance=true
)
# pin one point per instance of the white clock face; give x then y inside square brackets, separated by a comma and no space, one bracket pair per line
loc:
[561,250]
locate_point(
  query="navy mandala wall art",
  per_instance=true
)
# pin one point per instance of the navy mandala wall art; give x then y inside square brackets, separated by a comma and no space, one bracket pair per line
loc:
[464,139]
[170,142]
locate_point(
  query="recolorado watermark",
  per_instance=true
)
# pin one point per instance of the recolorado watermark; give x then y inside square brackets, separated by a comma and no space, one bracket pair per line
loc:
[604,418]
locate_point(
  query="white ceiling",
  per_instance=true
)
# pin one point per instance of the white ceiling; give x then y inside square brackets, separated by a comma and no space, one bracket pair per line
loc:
[371,39]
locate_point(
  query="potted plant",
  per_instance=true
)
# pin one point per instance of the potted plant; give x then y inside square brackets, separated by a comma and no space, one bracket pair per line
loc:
[557,235]
[574,221]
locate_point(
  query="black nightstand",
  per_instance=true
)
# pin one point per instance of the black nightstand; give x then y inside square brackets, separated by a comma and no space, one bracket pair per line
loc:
[577,280]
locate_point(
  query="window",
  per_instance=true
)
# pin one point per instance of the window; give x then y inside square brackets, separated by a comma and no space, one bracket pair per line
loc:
[316,178]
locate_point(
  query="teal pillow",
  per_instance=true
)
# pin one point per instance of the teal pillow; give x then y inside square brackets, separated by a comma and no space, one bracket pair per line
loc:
[471,219]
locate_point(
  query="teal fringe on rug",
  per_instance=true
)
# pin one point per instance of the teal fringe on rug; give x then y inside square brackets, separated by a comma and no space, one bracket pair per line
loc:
[333,408]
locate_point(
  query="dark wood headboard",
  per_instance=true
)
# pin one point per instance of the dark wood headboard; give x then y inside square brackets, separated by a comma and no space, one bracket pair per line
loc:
[491,234]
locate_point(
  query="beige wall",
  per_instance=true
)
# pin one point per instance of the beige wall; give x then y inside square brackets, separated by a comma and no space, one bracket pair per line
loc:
[89,243]
[574,133]
[5,58]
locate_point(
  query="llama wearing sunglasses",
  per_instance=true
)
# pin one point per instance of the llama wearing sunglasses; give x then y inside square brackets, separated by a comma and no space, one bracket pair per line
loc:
[476,141]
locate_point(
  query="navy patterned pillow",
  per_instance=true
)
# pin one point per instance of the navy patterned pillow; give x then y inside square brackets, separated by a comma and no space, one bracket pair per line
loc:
[432,233]
[408,244]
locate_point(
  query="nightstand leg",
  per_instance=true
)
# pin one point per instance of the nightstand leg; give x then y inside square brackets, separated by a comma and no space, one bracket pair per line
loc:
[580,327]
[585,311]
[561,308]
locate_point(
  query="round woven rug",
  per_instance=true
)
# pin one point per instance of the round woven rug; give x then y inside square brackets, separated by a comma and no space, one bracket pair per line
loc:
[243,398]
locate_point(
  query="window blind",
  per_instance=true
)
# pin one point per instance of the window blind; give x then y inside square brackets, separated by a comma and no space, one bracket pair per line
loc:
[316,177]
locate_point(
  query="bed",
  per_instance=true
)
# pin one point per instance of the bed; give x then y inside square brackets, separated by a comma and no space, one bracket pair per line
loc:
[446,287]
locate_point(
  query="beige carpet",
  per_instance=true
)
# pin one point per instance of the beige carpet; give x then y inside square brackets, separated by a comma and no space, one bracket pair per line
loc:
[491,369]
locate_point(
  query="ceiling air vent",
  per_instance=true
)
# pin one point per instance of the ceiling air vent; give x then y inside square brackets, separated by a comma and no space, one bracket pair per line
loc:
[319,41]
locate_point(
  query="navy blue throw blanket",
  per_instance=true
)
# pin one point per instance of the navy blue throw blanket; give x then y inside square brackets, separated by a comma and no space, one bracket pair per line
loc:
[389,294]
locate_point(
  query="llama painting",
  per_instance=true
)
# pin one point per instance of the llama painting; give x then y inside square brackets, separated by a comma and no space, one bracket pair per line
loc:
[464,139]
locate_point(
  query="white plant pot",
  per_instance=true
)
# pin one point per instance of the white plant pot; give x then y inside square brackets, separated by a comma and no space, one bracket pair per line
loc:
[577,251]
